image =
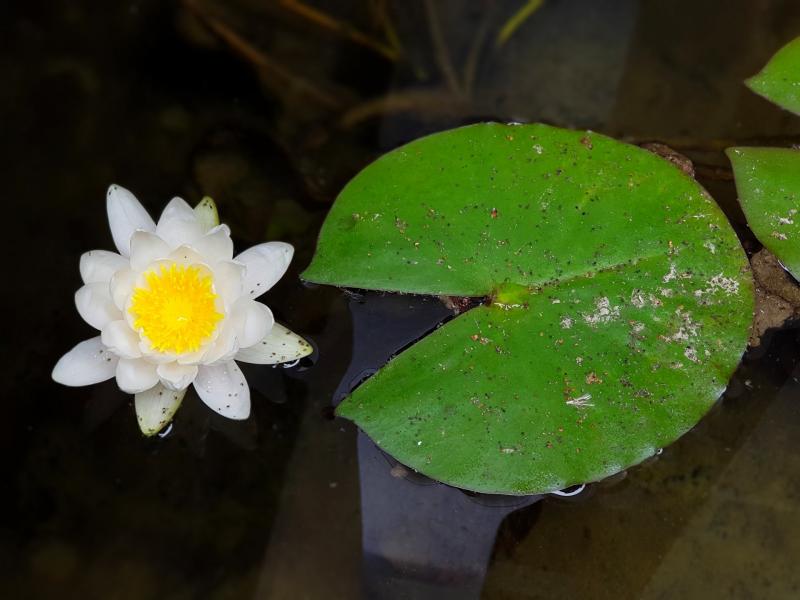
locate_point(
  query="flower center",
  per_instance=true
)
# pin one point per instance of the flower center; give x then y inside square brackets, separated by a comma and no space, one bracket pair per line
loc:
[175,309]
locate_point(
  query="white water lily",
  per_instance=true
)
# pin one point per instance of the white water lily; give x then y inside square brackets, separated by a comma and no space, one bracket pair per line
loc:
[175,308]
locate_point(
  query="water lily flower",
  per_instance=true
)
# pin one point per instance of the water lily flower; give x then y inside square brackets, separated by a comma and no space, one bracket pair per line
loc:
[175,308]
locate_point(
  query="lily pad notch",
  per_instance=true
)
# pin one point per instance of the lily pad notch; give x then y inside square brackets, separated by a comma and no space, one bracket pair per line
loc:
[621,303]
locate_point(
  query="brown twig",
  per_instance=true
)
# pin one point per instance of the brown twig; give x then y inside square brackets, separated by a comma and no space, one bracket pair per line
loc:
[330,23]
[280,79]
[441,52]
[383,18]
[471,66]
[430,102]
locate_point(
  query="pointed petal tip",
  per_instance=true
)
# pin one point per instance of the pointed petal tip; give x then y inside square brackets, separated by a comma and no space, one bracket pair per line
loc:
[306,348]
[112,189]
[59,373]
[303,347]
[156,407]
[178,207]
[280,345]
[178,224]
[125,215]
[224,389]
[266,263]
[207,213]
[87,363]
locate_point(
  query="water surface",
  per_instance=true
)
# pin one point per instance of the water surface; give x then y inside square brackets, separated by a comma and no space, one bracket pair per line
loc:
[270,112]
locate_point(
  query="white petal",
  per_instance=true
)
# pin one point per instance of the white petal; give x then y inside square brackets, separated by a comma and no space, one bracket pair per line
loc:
[251,320]
[97,266]
[224,388]
[87,363]
[176,376]
[266,264]
[94,304]
[216,245]
[155,356]
[156,407]
[178,232]
[280,345]
[135,375]
[228,278]
[224,348]
[146,247]
[177,208]
[196,357]
[207,214]
[125,215]
[186,255]
[121,287]
[123,341]
[178,224]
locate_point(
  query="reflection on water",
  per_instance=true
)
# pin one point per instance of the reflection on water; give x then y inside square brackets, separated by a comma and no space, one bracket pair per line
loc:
[269,107]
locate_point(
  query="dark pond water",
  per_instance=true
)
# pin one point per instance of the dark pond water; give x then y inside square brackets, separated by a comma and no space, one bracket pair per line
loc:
[270,107]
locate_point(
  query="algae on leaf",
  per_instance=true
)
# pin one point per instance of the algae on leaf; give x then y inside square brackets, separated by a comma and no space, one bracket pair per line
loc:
[618,303]
[779,80]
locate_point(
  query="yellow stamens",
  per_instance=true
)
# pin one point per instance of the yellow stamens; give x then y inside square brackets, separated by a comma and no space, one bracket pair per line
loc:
[175,309]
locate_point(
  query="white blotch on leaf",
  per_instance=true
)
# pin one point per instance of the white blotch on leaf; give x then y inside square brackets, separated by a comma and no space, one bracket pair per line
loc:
[604,312]
[581,401]
[638,298]
[691,354]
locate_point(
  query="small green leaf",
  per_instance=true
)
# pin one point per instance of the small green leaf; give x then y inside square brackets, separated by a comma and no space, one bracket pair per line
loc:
[206,211]
[779,80]
[618,303]
[768,184]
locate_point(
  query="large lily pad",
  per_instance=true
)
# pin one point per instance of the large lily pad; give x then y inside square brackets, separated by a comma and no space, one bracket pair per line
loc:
[768,184]
[618,303]
[779,80]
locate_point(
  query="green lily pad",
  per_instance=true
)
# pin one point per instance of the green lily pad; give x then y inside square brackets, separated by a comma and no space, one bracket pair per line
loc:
[779,80]
[768,184]
[618,303]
